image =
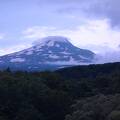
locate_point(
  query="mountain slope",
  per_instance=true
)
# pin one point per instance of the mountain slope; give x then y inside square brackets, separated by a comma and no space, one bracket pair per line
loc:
[49,53]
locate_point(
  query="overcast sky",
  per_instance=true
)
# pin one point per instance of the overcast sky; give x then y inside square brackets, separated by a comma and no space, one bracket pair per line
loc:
[91,24]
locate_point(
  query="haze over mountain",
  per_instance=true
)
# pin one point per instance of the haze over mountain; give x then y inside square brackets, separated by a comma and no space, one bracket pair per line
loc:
[49,53]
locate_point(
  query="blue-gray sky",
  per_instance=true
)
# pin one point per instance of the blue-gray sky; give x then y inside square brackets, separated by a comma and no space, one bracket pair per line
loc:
[91,24]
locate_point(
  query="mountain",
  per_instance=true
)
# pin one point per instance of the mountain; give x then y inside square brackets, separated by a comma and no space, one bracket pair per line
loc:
[52,52]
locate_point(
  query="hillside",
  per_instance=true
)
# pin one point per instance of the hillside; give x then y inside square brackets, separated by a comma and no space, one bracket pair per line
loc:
[76,93]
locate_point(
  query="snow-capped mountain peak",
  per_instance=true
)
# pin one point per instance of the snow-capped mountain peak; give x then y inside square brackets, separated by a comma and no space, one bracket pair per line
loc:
[51,40]
[52,51]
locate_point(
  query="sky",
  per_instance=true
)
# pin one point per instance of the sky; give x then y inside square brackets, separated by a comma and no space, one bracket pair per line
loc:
[89,24]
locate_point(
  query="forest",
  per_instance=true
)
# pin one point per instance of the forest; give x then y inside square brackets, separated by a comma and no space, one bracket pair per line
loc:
[76,93]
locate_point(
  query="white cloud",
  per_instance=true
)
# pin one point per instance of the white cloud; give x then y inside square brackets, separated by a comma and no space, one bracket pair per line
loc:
[92,32]
[2,36]
[88,8]
[13,49]
[37,32]
[111,56]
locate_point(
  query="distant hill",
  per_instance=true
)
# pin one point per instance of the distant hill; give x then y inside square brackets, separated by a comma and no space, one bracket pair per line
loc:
[76,93]
[76,72]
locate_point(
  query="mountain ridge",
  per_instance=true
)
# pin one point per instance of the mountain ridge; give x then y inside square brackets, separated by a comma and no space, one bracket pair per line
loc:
[50,51]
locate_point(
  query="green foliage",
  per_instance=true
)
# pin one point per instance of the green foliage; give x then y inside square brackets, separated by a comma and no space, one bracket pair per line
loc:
[114,115]
[99,107]
[53,95]
[26,96]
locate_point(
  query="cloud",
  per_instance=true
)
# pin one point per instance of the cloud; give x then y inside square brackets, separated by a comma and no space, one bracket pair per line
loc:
[89,8]
[111,56]
[2,36]
[13,49]
[37,32]
[105,8]
[94,33]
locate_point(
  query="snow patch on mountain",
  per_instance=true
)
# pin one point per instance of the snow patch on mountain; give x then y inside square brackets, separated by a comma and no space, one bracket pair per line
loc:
[54,56]
[50,52]
[82,57]
[65,53]
[29,52]
[57,45]
[17,60]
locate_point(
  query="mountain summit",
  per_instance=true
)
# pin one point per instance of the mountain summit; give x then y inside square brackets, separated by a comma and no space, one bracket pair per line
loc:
[49,53]
[52,40]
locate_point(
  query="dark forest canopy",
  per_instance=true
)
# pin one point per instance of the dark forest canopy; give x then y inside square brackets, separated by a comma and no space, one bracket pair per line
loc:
[76,93]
